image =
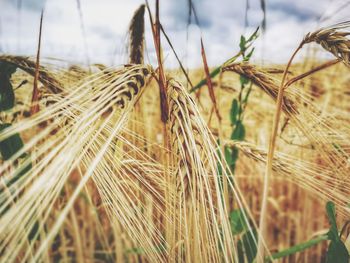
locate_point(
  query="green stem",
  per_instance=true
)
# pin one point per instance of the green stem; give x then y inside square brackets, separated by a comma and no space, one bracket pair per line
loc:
[215,72]
[297,248]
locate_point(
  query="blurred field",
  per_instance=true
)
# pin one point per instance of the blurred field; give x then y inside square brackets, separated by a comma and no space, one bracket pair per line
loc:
[296,211]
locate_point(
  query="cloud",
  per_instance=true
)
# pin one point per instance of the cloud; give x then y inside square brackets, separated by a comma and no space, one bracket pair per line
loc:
[27,4]
[106,24]
[301,10]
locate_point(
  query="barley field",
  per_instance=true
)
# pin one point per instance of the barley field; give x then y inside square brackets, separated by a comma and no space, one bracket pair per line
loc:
[241,162]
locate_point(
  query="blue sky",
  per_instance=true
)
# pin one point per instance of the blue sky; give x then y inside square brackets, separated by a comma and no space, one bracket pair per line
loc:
[106,23]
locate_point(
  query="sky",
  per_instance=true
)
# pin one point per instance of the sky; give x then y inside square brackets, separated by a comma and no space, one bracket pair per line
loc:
[99,33]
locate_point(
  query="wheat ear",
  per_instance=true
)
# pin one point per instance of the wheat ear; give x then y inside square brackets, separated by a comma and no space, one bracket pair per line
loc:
[264,81]
[313,178]
[136,36]
[27,65]
[333,39]
[197,183]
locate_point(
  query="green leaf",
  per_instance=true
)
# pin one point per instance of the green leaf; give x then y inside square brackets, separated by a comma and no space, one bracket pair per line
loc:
[234,111]
[20,171]
[254,35]
[25,168]
[243,80]
[333,231]
[249,55]
[297,248]
[7,68]
[228,156]
[7,96]
[242,44]
[240,252]
[219,166]
[10,145]
[34,231]
[337,253]
[249,240]
[245,100]
[330,208]
[237,222]
[234,155]
[231,157]
[238,133]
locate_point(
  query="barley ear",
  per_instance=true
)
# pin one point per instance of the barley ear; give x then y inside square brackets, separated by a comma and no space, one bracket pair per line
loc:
[264,81]
[136,36]
[334,39]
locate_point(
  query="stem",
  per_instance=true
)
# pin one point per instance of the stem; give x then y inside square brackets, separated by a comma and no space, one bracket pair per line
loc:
[215,72]
[83,31]
[35,106]
[270,154]
[312,71]
[297,248]
[162,80]
[176,56]
[209,83]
